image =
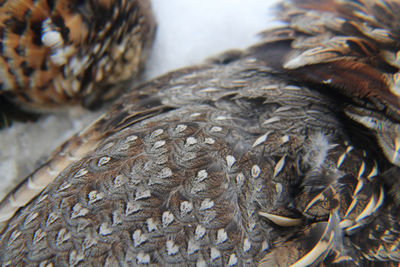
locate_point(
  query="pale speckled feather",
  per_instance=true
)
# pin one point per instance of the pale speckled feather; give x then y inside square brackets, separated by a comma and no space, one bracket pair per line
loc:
[158,185]
[213,161]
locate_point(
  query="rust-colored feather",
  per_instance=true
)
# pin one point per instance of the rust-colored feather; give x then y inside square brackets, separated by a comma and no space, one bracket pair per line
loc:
[58,53]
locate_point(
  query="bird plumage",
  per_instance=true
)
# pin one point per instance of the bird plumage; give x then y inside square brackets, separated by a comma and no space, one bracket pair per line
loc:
[182,169]
[60,53]
[350,48]
[254,157]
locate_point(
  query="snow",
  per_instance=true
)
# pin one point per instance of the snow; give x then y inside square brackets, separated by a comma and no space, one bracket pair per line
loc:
[188,32]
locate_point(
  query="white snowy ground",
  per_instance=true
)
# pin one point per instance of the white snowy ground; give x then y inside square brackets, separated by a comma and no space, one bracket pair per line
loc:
[188,32]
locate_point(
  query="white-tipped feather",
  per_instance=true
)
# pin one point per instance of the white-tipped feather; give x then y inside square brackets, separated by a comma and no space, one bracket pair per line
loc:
[281,220]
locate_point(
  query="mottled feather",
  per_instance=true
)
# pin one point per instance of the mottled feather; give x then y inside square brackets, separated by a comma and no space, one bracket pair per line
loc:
[60,53]
[241,161]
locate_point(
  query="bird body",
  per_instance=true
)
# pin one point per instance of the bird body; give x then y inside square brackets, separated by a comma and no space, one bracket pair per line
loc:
[60,53]
[254,157]
[350,48]
[183,167]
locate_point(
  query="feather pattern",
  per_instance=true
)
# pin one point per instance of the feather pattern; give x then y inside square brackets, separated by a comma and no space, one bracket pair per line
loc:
[57,53]
[283,154]
[347,47]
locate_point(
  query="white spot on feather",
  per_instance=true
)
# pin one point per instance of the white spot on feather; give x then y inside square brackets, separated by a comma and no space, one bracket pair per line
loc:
[233,260]
[261,139]
[14,236]
[279,166]
[165,173]
[246,245]
[196,114]
[222,236]
[78,211]
[151,225]
[215,254]
[95,196]
[372,205]
[220,118]
[131,138]
[58,58]
[230,160]
[138,237]
[143,258]
[132,207]
[102,161]
[201,175]
[31,217]
[52,39]
[180,128]
[341,160]
[361,170]
[351,207]
[272,120]
[172,249]
[240,179]
[209,90]
[117,219]
[209,141]
[75,257]
[186,207]
[374,171]
[62,236]
[156,133]
[120,180]
[285,139]
[216,129]
[199,232]
[105,229]
[39,235]
[158,144]
[328,81]
[81,173]
[255,171]
[206,204]
[191,141]
[167,219]
[192,247]
[142,194]
[51,219]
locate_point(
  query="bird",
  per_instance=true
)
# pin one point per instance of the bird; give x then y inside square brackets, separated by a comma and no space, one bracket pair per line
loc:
[356,41]
[273,156]
[59,53]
